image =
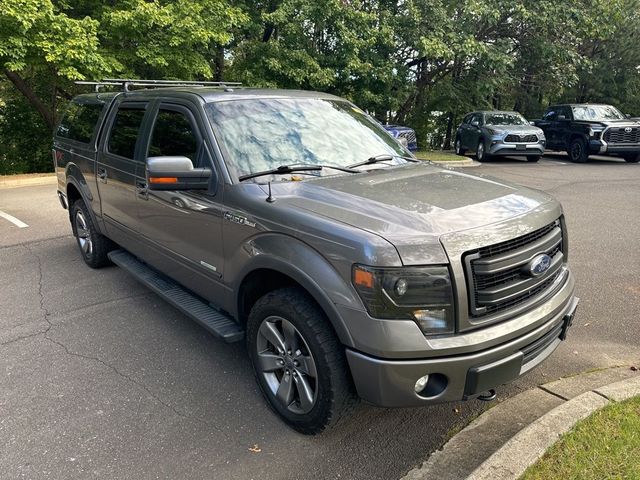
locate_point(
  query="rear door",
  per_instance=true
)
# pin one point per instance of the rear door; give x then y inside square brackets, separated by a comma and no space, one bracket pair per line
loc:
[183,229]
[119,158]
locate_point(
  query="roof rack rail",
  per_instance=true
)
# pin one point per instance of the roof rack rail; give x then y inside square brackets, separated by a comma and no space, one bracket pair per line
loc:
[127,83]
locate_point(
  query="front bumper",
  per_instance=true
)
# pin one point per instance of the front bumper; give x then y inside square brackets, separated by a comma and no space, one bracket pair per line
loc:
[390,383]
[497,148]
[602,147]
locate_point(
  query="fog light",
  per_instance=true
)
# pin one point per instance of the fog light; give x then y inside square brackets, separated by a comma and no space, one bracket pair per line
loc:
[421,384]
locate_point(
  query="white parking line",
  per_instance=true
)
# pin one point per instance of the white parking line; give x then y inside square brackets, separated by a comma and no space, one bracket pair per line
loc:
[14,220]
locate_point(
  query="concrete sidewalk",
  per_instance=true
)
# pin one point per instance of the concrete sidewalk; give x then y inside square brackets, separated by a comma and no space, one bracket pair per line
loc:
[502,442]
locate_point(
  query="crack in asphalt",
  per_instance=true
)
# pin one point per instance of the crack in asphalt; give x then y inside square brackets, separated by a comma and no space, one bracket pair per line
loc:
[50,325]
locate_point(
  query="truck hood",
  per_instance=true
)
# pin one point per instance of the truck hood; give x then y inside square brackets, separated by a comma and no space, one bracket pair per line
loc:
[412,205]
[611,123]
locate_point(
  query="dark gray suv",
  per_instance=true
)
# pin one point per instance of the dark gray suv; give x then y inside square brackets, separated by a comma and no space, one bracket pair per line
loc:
[492,133]
[292,219]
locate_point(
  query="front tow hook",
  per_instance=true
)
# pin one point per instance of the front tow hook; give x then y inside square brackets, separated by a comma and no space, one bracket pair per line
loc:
[488,396]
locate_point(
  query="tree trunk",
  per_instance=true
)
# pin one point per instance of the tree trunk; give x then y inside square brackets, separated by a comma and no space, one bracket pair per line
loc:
[47,114]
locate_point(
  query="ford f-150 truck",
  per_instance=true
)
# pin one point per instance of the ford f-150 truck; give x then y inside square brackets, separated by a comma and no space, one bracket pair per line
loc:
[292,219]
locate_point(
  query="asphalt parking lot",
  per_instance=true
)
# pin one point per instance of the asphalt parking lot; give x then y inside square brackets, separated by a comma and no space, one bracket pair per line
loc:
[100,378]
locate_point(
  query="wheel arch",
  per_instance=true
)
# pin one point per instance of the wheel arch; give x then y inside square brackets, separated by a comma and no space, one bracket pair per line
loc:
[265,273]
[77,190]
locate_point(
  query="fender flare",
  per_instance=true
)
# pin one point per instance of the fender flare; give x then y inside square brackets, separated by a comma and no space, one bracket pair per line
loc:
[317,276]
[75,177]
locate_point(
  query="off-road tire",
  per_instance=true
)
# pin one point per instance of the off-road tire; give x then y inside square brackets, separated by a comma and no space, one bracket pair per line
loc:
[335,393]
[96,255]
[578,152]
[633,158]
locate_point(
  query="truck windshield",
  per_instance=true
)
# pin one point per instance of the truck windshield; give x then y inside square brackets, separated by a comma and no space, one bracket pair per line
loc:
[505,119]
[265,133]
[596,112]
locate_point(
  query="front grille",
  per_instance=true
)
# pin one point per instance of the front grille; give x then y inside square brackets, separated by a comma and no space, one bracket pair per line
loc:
[535,348]
[514,138]
[410,135]
[620,135]
[498,277]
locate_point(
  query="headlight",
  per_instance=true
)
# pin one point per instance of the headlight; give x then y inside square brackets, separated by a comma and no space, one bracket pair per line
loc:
[594,133]
[421,294]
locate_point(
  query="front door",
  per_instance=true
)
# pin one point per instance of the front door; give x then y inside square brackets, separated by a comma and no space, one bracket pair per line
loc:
[183,229]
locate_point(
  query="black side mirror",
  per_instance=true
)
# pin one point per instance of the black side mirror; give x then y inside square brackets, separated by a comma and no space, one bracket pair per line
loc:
[176,173]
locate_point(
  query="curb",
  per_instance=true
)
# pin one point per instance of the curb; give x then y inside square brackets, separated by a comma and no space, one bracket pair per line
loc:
[527,446]
[511,436]
[456,163]
[12,181]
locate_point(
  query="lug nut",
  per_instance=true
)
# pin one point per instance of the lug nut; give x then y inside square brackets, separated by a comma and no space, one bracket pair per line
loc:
[296,363]
[281,362]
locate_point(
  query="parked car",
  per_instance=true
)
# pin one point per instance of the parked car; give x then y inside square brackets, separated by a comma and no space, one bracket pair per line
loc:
[405,134]
[292,219]
[492,133]
[590,129]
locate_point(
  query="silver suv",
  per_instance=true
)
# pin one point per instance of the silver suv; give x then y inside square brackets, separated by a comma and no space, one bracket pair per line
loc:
[294,220]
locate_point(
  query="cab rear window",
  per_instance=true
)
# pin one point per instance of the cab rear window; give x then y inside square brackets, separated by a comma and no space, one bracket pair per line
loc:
[80,121]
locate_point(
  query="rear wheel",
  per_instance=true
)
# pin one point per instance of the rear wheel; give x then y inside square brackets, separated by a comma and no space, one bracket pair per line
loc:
[459,150]
[533,158]
[578,151]
[298,361]
[481,154]
[94,247]
[632,158]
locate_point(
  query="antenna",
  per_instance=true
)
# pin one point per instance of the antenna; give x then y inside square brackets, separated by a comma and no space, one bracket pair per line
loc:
[270,198]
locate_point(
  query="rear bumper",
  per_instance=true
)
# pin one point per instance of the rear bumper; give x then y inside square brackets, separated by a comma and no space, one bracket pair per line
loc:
[391,383]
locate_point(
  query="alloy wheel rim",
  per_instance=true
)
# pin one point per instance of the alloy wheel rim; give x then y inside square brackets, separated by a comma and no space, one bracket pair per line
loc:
[287,365]
[576,150]
[84,235]
[458,146]
[481,151]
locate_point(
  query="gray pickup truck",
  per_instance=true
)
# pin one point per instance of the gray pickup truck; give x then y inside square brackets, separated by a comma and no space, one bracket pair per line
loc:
[293,220]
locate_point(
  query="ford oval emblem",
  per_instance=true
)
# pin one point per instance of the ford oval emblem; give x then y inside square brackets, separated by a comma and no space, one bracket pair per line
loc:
[539,265]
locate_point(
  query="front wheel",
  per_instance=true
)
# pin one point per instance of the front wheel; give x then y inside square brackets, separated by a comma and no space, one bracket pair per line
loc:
[459,150]
[533,158]
[94,247]
[298,362]
[632,158]
[481,154]
[578,151]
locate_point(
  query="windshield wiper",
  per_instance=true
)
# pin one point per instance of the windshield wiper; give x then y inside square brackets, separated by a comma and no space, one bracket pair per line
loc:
[284,169]
[385,157]
[281,170]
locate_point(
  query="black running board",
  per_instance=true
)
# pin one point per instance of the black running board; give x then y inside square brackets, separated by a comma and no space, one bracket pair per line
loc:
[219,324]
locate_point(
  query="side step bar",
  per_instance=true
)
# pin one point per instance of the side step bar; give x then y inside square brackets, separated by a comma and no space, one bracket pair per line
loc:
[219,324]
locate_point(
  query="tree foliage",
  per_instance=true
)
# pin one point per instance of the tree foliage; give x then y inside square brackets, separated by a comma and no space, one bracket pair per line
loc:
[420,62]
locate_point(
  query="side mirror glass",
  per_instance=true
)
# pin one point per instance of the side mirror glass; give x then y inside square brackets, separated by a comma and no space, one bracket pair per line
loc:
[561,117]
[176,173]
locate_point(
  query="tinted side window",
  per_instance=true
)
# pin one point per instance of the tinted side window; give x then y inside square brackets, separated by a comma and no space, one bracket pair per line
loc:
[80,121]
[550,115]
[124,132]
[173,135]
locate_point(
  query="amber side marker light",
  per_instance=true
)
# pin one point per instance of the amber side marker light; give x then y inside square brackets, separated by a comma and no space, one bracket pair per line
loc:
[363,278]
[163,180]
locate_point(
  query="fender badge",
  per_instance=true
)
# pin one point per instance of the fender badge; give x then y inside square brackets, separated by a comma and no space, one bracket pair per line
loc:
[238,219]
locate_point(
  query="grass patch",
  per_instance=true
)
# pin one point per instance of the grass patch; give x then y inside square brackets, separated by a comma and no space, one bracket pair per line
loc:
[605,445]
[438,156]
